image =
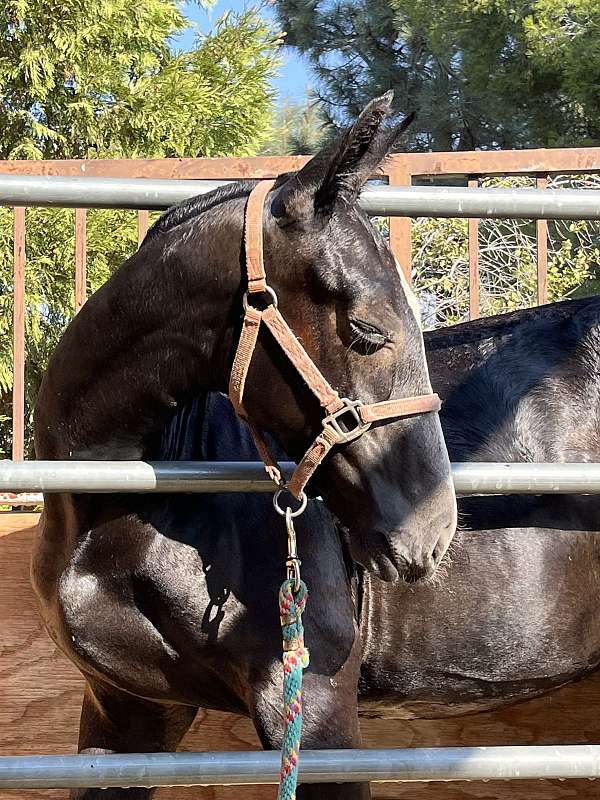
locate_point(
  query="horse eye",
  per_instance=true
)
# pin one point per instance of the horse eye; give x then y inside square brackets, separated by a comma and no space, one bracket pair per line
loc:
[366,336]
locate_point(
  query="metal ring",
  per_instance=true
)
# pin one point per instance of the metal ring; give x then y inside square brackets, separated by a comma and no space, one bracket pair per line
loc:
[271,292]
[303,501]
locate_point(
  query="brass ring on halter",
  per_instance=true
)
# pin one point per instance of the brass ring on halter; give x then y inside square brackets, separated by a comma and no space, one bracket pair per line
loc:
[283,511]
[268,290]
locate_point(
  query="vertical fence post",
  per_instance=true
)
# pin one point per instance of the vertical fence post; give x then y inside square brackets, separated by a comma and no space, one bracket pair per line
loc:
[473,262]
[80,257]
[143,222]
[401,227]
[542,251]
[18,391]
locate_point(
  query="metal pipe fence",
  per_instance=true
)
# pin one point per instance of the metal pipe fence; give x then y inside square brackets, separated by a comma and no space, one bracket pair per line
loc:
[395,201]
[316,766]
[400,201]
[146,184]
[91,477]
[45,191]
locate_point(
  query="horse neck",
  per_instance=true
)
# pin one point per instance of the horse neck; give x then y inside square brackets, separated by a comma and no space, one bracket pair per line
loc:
[157,333]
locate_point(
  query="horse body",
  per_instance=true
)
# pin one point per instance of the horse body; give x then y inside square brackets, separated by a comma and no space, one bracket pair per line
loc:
[514,611]
[158,612]
[186,613]
[510,615]
[514,616]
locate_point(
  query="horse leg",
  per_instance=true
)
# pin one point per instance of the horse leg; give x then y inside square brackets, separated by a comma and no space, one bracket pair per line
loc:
[117,722]
[336,728]
[330,721]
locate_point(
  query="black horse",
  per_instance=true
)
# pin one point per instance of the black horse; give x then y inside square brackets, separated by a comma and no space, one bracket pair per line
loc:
[511,613]
[168,604]
[513,610]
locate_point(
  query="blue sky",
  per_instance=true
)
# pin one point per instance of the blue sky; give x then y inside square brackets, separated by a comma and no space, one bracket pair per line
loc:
[295,76]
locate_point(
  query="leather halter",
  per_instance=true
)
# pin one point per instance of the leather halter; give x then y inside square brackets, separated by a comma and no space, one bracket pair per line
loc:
[345,419]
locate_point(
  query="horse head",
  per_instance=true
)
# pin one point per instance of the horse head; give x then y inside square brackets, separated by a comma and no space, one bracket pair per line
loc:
[341,293]
[167,325]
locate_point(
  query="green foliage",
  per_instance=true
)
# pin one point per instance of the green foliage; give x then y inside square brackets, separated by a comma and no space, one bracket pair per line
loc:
[563,36]
[298,129]
[480,73]
[49,276]
[98,81]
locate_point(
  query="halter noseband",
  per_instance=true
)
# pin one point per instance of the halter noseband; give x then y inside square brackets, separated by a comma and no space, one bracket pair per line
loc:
[356,417]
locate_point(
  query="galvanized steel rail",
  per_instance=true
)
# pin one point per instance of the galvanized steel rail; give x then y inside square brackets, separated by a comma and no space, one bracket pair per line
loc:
[242,476]
[409,201]
[316,766]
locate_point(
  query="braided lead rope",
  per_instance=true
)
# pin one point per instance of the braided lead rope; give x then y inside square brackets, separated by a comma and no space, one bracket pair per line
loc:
[295,660]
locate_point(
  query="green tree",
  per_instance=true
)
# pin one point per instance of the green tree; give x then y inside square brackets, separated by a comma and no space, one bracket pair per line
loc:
[103,80]
[481,73]
[299,129]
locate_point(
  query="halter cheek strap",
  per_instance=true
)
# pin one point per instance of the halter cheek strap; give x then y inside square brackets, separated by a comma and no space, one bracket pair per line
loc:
[345,419]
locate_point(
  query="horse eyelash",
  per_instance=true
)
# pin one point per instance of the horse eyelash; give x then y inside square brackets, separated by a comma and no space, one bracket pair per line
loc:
[367,335]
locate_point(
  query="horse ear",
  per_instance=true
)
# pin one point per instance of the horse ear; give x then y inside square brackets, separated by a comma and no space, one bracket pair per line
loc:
[338,173]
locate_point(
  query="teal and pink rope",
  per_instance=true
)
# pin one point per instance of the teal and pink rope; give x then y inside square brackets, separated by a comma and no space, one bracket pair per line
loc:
[295,660]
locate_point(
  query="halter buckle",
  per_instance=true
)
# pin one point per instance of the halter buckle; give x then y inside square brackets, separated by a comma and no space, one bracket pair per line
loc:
[346,421]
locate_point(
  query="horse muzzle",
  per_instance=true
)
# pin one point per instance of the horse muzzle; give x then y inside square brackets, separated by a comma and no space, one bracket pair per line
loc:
[405,553]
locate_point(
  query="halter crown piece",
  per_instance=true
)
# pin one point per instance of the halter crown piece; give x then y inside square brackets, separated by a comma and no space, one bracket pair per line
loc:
[345,419]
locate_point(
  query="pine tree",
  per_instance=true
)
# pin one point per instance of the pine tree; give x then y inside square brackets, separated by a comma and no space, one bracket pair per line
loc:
[299,128]
[480,73]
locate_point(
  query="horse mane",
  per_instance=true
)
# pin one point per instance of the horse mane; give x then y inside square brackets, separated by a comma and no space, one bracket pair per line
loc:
[194,206]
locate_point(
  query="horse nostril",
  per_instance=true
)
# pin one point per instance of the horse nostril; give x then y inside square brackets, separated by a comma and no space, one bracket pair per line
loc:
[435,555]
[415,573]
